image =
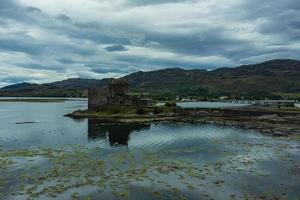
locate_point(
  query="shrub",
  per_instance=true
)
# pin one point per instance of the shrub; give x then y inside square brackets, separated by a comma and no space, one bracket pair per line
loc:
[140,111]
[157,110]
[170,104]
[116,111]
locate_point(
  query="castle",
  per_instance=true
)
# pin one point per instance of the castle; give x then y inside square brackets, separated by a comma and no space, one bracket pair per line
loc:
[116,93]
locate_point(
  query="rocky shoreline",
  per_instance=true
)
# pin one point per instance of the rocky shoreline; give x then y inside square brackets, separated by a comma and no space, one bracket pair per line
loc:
[267,127]
[273,122]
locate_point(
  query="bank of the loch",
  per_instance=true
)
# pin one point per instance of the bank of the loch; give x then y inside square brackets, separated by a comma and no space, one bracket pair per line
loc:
[273,122]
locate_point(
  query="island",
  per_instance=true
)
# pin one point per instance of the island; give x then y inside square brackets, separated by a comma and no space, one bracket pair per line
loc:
[113,104]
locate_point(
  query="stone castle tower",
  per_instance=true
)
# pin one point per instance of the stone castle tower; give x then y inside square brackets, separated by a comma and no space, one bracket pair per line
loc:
[114,94]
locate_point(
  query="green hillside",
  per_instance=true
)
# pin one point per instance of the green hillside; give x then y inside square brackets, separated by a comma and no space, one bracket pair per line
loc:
[271,79]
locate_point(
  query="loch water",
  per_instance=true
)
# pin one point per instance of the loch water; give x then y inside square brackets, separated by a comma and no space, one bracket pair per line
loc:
[45,155]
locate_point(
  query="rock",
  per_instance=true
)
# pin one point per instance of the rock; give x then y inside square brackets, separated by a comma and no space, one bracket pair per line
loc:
[272,117]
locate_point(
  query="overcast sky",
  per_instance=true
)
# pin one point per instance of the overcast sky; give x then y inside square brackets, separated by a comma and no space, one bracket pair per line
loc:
[48,40]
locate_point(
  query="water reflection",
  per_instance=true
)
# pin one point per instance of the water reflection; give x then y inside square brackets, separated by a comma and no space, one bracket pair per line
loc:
[116,135]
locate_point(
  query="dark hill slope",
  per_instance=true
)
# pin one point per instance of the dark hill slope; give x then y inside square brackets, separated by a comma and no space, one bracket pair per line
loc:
[168,79]
[260,80]
[271,76]
[67,88]
[276,76]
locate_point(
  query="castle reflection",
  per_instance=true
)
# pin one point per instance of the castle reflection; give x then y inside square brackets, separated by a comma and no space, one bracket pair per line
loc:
[116,135]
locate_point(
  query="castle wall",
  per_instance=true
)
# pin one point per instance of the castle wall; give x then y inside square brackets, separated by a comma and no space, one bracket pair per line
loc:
[116,93]
[97,97]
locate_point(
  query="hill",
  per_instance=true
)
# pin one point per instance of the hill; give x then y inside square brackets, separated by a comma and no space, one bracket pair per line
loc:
[75,87]
[271,79]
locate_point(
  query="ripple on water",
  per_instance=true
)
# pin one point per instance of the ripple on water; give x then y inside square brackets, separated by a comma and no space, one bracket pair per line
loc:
[165,161]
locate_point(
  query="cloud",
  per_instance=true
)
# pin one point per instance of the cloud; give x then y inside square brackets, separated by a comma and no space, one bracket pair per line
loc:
[153,2]
[41,41]
[64,17]
[33,9]
[116,47]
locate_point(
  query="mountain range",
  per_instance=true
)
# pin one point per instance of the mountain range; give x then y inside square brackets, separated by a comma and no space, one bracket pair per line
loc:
[270,79]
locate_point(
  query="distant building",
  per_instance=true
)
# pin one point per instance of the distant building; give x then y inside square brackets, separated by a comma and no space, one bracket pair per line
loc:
[186,99]
[223,97]
[115,93]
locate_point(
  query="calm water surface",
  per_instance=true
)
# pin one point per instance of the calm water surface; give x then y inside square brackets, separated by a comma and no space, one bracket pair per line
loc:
[153,161]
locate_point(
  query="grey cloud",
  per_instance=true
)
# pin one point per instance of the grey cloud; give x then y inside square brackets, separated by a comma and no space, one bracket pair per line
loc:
[11,10]
[3,22]
[116,47]
[94,32]
[64,17]
[149,63]
[66,61]
[102,70]
[38,48]
[18,79]
[19,45]
[33,9]
[282,17]
[212,42]
[57,68]
[295,24]
[68,44]
[152,2]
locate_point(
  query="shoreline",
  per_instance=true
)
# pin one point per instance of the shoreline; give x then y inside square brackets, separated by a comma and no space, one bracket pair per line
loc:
[38,99]
[272,122]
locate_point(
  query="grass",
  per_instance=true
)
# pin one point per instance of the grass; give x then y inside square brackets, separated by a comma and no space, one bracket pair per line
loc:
[124,112]
[295,95]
